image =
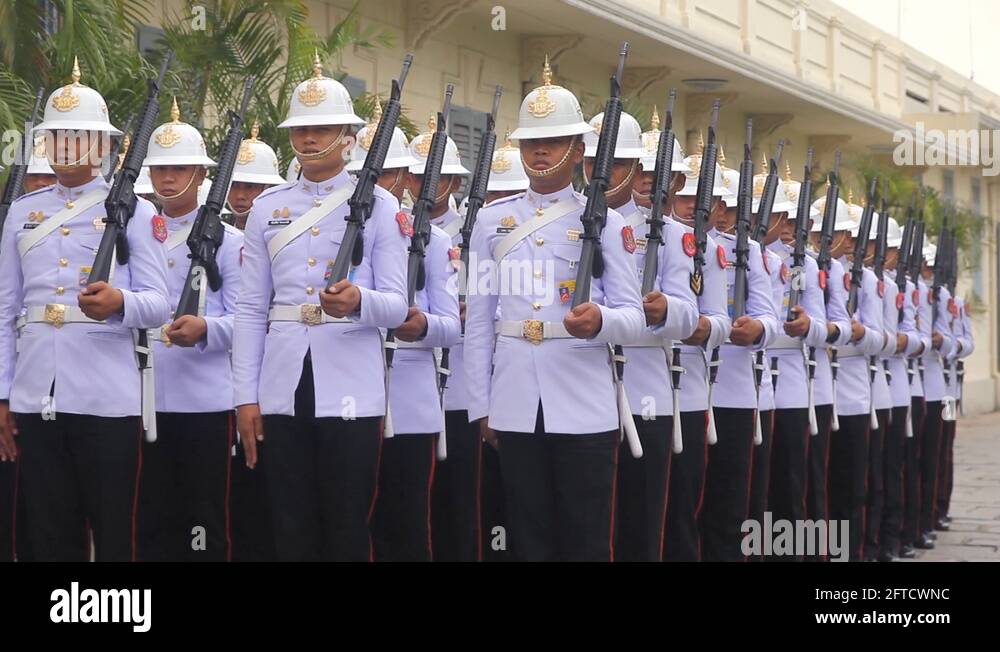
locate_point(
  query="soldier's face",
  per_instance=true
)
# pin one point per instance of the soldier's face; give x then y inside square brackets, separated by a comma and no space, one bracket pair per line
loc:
[394,180]
[447,184]
[870,253]
[840,244]
[321,148]
[724,217]
[73,153]
[787,232]
[621,170]
[556,156]
[242,194]
[814,239]
[779,222]
[177,186]
[849,246]
[33,182]
[891,258]
[684,207]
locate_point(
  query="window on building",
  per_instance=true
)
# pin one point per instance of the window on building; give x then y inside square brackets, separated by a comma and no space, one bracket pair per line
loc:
[149,40]
[466,127]
[50,17]
[975,255]
[948,185]
[355,86]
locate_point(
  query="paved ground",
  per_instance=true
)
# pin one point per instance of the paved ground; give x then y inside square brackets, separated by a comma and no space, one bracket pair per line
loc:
[975,500]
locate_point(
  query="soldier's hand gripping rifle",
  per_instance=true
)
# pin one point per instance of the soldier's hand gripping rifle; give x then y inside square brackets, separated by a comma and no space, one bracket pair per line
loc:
[476,199]
[208,230]
[823,261]
[15,176]
[659,199]
[119,208]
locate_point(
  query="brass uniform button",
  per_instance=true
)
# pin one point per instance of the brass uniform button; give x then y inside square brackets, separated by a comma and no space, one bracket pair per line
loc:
[315,230]
[312,261]
[310,290]
[539,241]
[60,290]
[63,262]
[65,231]
[536,306]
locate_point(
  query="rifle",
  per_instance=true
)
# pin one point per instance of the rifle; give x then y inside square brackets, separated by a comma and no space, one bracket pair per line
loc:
[121,146]
[744,209]
[352,250]
[703,201]
[595,213]
[476,199]
[916,260]
[121,201]
[119,207]
[801,237]
[824,259]
[767,196]
[15,177]
[881,248]
[659,198]
[208,230]
[477,188]
[420,230]
[860,247]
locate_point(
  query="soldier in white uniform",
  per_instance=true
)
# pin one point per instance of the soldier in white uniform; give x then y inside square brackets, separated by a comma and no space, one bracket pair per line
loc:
[682,541]
[903,315]
[936,393]
[255,171]
[186,471]
[68,373]
[39,174]
[308,363]
[788,356]
[671,309]
[735,398]
[401,524]
[849,448]
[961,329]
[546,395]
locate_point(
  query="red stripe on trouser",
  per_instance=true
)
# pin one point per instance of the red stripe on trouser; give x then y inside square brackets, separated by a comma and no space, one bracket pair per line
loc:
[229,469]
[135,494]
[614,498]
[430,484]
[371,507]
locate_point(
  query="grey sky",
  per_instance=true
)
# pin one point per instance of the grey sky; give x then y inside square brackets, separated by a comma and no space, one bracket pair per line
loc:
[941,30]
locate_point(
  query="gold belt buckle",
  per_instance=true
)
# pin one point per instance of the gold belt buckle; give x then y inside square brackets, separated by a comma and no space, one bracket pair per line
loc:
[311,314]
[55,314]
[533,330]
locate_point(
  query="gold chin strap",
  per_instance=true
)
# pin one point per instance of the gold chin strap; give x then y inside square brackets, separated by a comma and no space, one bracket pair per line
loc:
[400,175]
[181,193]
[531,172]
[74,164]
[626,181]
[321,154]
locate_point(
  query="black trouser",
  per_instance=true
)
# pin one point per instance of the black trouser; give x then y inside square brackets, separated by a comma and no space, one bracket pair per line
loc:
[642,492]
[875,494]
[681,541]
[789,464]
[252,537]
[184,490]
[321,478]
[892,513]
[455,507]
[848,475]
[494,519]
[911,473]
[760,473]
[930,455]
[9,513]
[946,468]
[79,470]
[727,485]
[817,500]
[560,493]
[401,524]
